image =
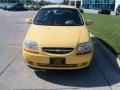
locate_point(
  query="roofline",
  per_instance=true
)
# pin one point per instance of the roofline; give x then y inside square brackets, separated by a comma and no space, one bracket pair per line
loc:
[59,6]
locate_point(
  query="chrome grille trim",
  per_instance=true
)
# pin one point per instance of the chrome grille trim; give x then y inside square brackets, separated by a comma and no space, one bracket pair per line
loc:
[57,50]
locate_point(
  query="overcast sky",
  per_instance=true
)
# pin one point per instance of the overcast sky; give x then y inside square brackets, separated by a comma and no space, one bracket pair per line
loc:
[55,1]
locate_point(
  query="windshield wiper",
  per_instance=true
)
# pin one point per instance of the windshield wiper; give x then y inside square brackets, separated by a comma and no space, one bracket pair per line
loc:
[72,24]
[42,23]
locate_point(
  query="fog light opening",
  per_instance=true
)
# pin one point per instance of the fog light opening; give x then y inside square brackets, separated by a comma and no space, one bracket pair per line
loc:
[30,62]
[84,64]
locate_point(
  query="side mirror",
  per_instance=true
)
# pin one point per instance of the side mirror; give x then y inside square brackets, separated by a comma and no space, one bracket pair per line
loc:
[29,21]
[88,22]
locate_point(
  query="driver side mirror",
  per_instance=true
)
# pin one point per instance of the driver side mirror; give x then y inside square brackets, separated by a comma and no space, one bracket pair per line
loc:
[29,21]
[88,22]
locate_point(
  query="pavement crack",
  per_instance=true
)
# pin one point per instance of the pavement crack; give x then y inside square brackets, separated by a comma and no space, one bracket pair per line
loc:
[10,63]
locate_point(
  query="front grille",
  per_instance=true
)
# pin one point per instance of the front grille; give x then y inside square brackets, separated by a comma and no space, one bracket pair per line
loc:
[57,50]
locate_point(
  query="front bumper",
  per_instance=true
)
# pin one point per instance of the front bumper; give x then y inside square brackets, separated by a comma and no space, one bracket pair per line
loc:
[40,61]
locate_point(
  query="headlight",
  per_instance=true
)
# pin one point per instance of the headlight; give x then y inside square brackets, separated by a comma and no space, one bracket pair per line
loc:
[30,46]
[84,47]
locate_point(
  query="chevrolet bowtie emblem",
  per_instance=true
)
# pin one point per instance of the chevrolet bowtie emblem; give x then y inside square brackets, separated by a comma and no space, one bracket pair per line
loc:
[57,50]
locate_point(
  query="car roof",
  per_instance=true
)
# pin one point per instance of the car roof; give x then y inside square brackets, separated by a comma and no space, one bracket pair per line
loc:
[59,6]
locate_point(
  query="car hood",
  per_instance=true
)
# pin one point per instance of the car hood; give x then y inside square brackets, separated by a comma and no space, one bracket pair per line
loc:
[57,36]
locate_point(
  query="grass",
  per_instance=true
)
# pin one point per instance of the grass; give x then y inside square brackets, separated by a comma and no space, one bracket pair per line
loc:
[106,28]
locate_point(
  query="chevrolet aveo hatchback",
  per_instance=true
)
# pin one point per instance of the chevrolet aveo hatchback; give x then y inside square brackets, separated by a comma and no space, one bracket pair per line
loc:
[58,39]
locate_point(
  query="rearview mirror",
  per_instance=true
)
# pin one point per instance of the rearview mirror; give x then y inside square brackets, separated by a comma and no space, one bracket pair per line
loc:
[88,22]
[29,20]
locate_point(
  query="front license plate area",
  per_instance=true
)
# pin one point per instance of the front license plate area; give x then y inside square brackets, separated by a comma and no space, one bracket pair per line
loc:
[57,61]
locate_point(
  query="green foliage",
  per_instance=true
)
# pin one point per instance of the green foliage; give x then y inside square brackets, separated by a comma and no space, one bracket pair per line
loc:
[107,28]
[65,2]
[16,1]
[43,2]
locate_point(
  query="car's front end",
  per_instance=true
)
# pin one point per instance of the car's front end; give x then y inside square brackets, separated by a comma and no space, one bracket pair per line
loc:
[71,60]
[68,49]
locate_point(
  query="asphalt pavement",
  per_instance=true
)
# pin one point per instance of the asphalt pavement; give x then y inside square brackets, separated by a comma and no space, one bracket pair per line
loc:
[103,74]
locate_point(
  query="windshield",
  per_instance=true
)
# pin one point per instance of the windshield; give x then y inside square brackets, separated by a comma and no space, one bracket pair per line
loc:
[59,17]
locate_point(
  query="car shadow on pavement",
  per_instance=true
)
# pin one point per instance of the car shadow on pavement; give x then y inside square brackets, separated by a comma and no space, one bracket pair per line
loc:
[111,52]
[101,72]
[117,54]
[108,47]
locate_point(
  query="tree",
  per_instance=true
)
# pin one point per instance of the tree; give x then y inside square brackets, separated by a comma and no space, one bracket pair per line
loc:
[65,2]
[43,2]
[16,1]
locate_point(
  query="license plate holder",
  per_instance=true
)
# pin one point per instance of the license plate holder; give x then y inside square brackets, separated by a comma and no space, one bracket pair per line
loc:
[57,61]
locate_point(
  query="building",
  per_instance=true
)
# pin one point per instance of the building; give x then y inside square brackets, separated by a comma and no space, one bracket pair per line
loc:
[96,4]
[77,3]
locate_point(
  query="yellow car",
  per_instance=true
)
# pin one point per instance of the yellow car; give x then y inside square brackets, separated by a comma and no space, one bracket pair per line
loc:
[58,39]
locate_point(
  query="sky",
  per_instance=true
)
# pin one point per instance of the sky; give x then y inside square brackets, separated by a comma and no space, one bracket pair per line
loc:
[54,1]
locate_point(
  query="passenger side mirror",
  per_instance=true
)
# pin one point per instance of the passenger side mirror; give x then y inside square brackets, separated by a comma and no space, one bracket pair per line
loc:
[88,22]
[29,21]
